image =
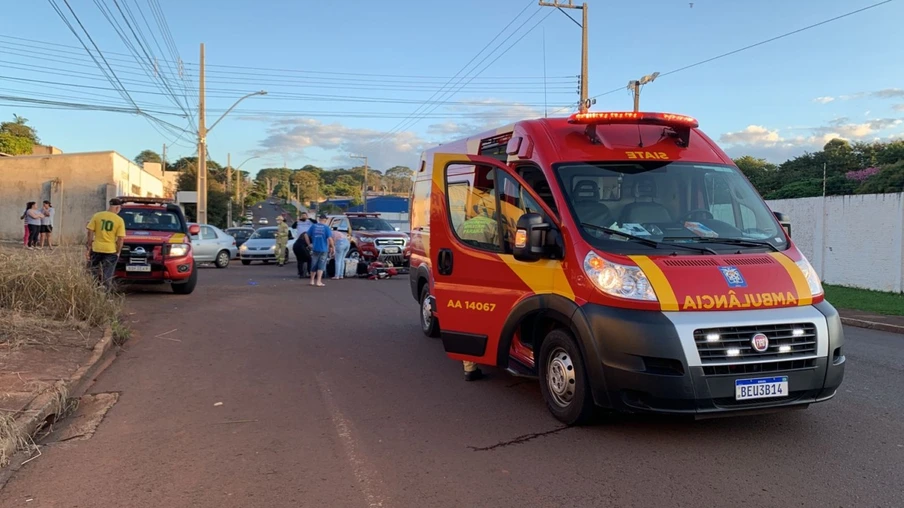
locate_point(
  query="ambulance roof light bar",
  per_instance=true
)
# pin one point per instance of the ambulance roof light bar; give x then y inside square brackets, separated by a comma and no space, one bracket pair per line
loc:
[680,124]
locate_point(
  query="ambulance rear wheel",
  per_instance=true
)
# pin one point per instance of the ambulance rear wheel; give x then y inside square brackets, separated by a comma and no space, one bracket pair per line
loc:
[429,323]
[563,380]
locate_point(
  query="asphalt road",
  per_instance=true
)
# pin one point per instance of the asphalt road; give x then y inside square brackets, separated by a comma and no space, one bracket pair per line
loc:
[332,397]
[266,210]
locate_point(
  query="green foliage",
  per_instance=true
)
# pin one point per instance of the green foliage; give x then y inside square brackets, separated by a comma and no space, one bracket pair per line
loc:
[147,156]
[802,176]
[14,145]
[17,137]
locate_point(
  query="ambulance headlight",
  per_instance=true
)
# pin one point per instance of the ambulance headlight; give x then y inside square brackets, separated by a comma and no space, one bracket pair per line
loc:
[618,280]
[810,275]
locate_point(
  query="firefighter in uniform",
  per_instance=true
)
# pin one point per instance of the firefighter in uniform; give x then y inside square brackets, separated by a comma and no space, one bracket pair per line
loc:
[481,228]
[282,240]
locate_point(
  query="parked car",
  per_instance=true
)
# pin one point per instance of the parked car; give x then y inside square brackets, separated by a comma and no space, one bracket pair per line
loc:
[213,245]
[157,248]
[241,235]
[261,246]
[373,238]
[263,221]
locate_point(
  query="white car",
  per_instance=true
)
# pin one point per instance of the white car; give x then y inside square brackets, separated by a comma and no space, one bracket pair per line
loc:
[213,245]
[261,246]
[263,221]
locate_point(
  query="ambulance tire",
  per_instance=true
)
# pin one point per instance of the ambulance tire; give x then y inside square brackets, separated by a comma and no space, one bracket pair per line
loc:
[563,379]
[430,326]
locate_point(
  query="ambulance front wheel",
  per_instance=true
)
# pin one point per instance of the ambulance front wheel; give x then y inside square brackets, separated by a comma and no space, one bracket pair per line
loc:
[563,380]
[429,323]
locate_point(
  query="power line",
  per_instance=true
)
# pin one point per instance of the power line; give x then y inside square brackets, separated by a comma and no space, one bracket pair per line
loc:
[397,127]
[750,46]
[211,68]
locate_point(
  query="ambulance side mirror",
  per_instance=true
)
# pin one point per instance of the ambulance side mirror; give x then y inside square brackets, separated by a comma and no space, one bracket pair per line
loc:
[530,237]
[784,220]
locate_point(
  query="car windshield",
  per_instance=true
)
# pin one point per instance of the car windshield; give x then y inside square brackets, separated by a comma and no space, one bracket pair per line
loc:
[239,234]
[370,224]
[264,234]
[146,219]
[626,207]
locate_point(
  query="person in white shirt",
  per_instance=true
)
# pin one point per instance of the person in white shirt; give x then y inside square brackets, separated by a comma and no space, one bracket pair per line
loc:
[33,218]
[47,225]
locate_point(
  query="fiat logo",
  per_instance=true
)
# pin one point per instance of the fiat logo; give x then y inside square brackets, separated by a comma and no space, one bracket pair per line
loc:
[760,342]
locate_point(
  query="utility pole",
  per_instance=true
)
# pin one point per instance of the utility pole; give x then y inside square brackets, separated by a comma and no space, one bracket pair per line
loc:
[585,100]
[364,196]
[163,166]
[228,189]
[202,148]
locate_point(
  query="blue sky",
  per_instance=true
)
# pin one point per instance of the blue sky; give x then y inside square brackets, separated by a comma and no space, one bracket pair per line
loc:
[343,77]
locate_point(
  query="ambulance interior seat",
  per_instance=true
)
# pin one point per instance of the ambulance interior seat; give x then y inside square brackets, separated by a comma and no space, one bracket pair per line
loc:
[587,204]
[644,209]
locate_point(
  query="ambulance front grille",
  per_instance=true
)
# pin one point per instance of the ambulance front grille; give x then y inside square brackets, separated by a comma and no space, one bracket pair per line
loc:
[734,344]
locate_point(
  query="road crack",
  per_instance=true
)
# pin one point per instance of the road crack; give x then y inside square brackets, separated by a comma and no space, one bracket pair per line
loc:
[518,440]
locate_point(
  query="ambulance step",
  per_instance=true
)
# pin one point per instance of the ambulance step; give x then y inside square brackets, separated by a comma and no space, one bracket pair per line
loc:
[518,369]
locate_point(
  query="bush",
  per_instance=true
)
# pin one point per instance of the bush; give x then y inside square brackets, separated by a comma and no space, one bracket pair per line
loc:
[55,286]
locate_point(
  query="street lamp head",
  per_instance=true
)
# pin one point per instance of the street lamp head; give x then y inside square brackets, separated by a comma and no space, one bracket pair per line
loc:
[649,78]
[264,92]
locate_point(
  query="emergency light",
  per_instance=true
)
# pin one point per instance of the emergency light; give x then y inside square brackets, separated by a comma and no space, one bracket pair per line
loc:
[681,125]
[630,117]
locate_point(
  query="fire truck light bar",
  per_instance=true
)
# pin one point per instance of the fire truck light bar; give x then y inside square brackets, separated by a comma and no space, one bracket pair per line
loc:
[630,117]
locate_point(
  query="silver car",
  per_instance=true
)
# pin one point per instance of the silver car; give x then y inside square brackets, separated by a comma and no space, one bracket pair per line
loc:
[261,246]
[213,245]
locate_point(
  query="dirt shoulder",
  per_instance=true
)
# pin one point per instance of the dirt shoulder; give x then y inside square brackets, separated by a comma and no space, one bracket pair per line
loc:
[40,360]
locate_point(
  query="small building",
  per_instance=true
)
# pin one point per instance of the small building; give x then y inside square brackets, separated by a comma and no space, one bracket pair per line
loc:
[392,208]
[78,185]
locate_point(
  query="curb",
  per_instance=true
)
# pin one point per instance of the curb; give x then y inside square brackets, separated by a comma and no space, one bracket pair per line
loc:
[47,402]
[872,325]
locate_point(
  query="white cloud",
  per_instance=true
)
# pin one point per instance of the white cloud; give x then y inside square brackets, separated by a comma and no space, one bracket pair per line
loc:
[769,144]
[889,93]
[824,100]
[751,135]
[291,137]
[898,107]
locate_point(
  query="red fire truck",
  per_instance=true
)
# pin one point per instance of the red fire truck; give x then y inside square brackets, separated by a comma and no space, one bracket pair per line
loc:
[624,261]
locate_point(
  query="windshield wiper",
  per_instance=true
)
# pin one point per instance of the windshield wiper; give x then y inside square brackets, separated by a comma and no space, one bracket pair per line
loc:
[738,241]
[645,241]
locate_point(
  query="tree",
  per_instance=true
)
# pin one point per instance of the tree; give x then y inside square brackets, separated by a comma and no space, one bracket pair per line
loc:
[17,137]
[889,179]
[308,185]
[399,178]
[148,156]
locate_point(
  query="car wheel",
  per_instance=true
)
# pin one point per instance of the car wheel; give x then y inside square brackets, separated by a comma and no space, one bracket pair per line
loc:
[186,288]
[353,254]
[563,380]
[246,262]
[429,322]
[222,260]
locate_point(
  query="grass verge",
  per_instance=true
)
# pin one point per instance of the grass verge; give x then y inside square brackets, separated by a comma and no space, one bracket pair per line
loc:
[865,300]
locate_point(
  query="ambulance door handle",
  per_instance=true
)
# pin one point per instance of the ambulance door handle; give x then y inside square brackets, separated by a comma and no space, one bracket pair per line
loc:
[444,262]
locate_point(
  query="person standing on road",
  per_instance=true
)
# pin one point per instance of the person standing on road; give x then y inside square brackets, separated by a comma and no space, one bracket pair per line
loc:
[47,225]
[106,232]
[319,238]
[340,240]
[33,218]
[282,240]
[300,247]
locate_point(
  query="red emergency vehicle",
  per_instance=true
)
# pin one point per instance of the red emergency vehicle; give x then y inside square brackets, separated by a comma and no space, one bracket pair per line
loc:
[626,262]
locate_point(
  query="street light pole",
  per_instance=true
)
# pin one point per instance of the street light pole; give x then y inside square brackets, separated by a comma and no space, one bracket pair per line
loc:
[634,87]
[203,130]
[364,195]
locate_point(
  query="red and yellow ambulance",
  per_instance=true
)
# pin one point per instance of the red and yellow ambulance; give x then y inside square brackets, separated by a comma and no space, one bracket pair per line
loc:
[626,262]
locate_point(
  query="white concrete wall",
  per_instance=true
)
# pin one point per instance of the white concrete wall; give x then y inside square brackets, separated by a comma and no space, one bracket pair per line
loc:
[132,180]
[855,241]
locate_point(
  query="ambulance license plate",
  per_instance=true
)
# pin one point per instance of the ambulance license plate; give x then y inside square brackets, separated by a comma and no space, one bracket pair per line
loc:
[761,388]
[138,268]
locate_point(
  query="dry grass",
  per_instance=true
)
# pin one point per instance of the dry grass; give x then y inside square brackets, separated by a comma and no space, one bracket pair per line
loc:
[20,330]
[54,285]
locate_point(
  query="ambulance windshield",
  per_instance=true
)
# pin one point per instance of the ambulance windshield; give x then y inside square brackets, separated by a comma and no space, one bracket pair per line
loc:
[627,207]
